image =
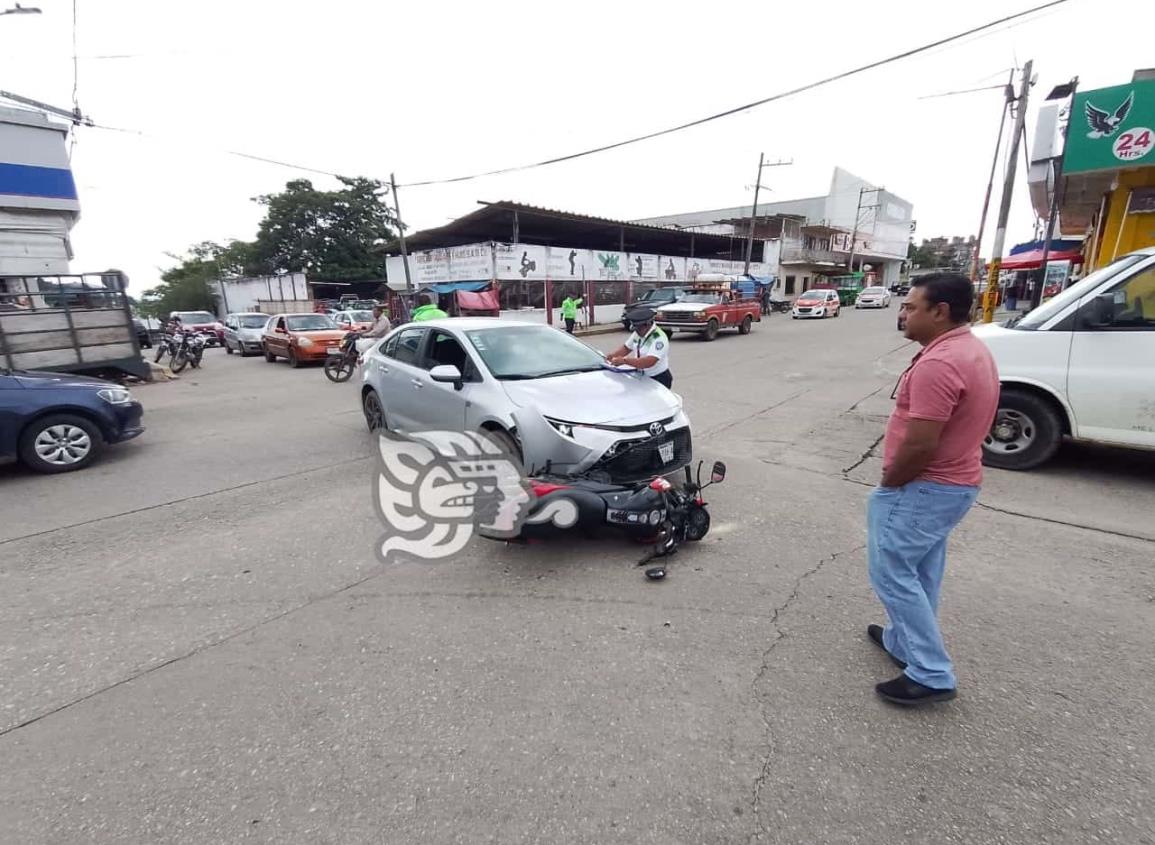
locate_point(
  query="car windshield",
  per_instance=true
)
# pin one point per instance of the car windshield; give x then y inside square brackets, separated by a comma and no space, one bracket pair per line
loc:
[310,323]
[651,295]
[360,316]
[1074,293]
[254,321]
[814,295]
[196,317]
[704,298]
[874,290]
[529,352]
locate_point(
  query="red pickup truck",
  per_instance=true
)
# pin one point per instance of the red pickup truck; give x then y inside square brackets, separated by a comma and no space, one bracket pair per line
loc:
[709,310]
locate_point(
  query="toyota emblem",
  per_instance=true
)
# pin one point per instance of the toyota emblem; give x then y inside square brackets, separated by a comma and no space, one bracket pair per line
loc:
[657,428]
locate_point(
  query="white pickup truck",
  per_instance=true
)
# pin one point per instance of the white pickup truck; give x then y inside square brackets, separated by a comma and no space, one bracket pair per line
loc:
[1081,365]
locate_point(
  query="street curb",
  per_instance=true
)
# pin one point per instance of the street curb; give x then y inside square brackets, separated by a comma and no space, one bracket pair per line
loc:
[608,328]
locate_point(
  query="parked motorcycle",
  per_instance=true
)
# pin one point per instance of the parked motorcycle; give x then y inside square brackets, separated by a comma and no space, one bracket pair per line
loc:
[183,349]
[341,363]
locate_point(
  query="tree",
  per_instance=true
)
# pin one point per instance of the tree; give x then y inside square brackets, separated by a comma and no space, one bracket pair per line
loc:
[327,235]
[187,287]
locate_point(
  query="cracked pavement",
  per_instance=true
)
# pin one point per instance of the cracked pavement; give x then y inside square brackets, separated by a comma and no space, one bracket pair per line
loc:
[198,644]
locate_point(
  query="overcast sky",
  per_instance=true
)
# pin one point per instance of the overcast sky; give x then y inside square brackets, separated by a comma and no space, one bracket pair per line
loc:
[435,90]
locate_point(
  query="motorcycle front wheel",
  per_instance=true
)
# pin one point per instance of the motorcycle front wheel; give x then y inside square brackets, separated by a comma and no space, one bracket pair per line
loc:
[179,361]
[339,368]
[697,523]
[161,349]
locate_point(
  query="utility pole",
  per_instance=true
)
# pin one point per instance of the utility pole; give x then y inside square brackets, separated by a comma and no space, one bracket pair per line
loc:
[401,236]
[762,164]
[854,234]
[1005,202]
[1056,197]
[1009,98]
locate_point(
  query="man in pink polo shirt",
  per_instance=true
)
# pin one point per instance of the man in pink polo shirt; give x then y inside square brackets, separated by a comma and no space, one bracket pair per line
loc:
[931,471]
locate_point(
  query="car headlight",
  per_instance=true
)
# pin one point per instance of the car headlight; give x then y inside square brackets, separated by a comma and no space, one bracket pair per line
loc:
[560,427]
[699,315]
[305,342]
[115,395]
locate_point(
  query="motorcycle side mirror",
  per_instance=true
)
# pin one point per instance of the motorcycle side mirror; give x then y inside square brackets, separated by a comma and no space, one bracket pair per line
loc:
[718,473]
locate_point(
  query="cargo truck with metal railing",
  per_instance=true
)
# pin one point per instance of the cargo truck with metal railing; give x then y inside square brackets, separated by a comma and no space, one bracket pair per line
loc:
[69,323]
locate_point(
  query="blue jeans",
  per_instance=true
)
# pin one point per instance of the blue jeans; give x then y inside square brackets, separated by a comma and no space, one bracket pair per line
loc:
[907,530]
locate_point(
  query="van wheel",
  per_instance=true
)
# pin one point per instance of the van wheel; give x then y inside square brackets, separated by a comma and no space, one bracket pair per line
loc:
[1026,432]
[747,322]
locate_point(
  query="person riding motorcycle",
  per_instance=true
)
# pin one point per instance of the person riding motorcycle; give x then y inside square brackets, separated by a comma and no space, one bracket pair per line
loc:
[647,349]
[381,327]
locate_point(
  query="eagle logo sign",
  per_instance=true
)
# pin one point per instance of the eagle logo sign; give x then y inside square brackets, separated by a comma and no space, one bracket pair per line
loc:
[435,489]
[1104,124]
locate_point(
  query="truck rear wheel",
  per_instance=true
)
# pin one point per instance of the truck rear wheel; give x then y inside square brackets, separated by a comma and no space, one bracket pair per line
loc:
[747,323]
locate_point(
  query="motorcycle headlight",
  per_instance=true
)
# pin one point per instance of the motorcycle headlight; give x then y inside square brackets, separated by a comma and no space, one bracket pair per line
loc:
[305,342]
[655,517]
[115,395]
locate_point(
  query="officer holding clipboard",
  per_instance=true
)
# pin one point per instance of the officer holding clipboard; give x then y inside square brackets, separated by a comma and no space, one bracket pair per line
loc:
[647,349]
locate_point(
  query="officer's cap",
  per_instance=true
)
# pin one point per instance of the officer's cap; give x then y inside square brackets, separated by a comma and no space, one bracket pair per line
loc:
[640,314]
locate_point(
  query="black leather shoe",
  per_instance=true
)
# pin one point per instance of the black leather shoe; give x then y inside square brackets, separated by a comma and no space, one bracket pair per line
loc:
[902,690]
[875,634]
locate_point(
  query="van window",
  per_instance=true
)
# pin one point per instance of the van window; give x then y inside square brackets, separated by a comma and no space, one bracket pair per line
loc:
[1134,303]
[1053,307]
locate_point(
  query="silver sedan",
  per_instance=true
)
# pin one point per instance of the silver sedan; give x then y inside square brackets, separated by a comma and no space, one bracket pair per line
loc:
[539,392]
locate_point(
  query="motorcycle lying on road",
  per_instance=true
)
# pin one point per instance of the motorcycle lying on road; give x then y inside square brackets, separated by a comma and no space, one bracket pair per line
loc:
[183,348]
[341,363]
[656,512]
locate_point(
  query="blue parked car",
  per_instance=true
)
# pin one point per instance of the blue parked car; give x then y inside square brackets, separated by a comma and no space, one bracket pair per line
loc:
[56,422]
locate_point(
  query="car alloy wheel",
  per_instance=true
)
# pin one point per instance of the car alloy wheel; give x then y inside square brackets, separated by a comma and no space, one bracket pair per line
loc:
[374,413]
[62,445]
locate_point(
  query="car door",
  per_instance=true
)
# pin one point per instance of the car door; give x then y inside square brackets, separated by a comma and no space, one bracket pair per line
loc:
[277,337]
[231,323]
[11,414]
[395,375]
[1111,375]
[442,406]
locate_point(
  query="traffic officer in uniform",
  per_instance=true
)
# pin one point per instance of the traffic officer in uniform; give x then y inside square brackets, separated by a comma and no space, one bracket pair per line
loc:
[647,349]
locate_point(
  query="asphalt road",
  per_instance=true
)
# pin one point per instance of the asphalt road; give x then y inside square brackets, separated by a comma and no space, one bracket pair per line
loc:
[198,644]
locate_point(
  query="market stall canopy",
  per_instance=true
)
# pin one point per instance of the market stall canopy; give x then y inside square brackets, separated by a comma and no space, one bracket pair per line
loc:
[450,287]
[1034,259]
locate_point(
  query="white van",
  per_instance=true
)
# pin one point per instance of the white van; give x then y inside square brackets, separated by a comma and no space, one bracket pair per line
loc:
[1082,365]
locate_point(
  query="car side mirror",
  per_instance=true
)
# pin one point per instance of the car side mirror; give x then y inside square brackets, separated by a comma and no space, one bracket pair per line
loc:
[447,374]
[718,473]
[1101,310]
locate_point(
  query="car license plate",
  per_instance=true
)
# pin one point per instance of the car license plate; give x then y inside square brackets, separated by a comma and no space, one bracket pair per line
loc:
[666,452]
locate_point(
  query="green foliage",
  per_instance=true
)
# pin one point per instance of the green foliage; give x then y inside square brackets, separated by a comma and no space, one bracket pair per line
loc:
[327,235]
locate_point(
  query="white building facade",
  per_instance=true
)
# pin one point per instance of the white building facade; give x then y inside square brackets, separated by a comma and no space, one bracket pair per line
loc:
[812,237]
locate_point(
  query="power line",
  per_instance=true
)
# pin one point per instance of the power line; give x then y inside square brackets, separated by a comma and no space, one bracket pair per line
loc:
[729,112]
[237,153]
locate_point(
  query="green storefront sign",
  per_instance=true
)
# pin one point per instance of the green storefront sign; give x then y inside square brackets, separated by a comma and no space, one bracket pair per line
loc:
[1112,128]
